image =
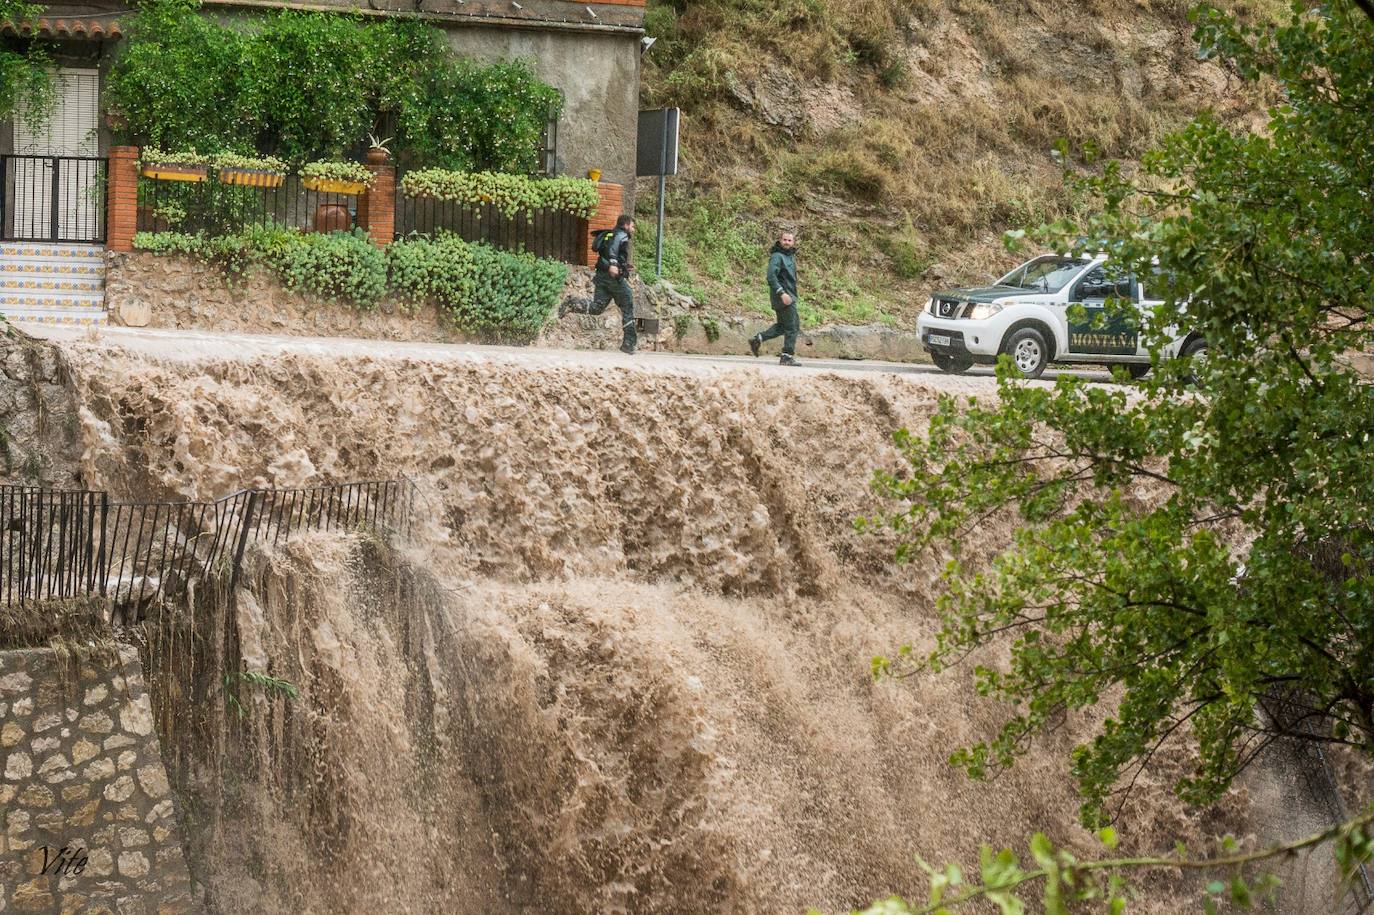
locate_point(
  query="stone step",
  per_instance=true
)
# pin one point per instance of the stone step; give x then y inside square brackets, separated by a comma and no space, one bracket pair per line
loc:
[36,299]
[35,266]
[50,250]
[50,282]
[65,317]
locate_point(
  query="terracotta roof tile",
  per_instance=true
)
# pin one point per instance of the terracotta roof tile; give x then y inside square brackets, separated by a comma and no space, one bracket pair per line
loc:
[65,28]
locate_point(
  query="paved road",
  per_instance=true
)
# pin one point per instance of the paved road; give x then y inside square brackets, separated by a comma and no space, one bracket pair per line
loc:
[201,345]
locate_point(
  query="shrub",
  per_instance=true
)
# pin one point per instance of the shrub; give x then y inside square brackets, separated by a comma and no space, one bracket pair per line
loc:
[170,243]
[712,328]
[483,290]
[513,296]
[342,265]
[681,324]
[440,270]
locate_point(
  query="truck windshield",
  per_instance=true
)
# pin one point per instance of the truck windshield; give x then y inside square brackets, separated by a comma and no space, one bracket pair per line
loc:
[1044,274]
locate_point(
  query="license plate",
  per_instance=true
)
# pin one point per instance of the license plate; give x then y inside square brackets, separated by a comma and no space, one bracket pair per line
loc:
[937,340]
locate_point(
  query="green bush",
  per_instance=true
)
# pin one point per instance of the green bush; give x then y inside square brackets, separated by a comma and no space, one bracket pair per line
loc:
[482,290]
[343,265]
[310,85]
[712,328]
[514,294]
[440,270]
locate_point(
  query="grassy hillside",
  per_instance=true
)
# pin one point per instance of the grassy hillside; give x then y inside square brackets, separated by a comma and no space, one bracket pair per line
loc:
[901,137]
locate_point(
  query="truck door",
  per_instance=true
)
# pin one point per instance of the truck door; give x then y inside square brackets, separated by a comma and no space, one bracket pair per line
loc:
[1092,334]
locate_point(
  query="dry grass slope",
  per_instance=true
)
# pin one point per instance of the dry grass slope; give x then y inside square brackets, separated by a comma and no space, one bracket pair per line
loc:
[903,137]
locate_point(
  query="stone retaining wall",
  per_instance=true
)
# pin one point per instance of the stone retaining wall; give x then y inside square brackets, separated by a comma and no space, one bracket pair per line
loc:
[83,791]
[150,290]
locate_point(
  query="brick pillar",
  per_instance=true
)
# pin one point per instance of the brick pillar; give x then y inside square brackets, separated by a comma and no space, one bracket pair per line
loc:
[377,204]
[607,211]
[121,201]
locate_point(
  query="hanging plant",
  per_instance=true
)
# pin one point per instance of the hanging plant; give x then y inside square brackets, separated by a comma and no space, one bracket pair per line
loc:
[187,165]
[510,195]
[250,171]
[336,177]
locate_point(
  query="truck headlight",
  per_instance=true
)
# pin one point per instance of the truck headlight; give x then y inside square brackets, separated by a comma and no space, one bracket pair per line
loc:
[930,306]
[984,311]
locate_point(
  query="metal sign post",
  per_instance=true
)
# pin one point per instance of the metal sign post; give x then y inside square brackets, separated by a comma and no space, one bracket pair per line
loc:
[657,155]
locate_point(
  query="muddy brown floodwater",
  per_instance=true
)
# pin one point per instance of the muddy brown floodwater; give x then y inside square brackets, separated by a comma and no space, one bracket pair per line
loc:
[638,679]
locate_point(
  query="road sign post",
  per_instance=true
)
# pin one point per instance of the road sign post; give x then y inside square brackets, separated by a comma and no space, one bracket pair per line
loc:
[656,155]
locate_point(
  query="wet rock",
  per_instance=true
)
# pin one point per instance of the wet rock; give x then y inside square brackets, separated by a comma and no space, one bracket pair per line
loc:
[120,790]
[18,765]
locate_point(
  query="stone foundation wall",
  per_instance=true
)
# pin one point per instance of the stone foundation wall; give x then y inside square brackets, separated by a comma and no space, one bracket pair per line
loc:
[149,290]
[83,792]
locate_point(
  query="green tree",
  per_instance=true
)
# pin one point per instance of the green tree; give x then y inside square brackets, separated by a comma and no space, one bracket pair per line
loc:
[1195,558]
[312,85]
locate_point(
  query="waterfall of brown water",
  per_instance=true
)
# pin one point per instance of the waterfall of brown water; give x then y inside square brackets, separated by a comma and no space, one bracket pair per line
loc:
[627,671]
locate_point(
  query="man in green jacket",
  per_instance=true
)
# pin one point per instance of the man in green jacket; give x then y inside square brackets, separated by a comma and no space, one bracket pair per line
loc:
[782,292]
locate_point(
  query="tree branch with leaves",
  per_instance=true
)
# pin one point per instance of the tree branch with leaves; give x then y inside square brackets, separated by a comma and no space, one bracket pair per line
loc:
[1194,552]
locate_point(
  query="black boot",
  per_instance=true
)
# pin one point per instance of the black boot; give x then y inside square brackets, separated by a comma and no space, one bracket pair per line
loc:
[788,359]
[754,342]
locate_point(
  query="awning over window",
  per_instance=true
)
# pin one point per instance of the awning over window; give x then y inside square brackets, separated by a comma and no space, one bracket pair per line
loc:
[94,29]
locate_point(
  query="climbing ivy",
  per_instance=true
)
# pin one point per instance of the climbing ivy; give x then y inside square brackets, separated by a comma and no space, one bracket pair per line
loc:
[25,76]
[305,86]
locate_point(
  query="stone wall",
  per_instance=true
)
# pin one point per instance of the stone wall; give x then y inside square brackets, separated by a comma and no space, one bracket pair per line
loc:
[80,770]
[149,290]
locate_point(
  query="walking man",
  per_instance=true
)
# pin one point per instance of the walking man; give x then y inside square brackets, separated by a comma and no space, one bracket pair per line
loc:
[782,292]
[612,281]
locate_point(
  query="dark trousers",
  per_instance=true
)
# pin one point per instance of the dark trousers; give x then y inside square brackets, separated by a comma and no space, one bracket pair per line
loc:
[787,326]
[605,288]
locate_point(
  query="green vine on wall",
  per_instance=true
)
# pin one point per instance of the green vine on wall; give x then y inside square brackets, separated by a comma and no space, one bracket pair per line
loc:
[305,86]
[26,77]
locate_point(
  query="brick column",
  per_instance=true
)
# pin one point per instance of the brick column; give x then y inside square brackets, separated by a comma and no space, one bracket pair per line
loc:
[607,211]
[377,204]
[121,200]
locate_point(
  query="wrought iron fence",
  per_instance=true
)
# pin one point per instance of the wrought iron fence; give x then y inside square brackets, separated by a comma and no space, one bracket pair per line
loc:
[52,198]
[212,207]
[548,233]
[58,544]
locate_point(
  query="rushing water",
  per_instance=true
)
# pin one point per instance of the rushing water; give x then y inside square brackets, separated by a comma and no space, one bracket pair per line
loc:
[624,669]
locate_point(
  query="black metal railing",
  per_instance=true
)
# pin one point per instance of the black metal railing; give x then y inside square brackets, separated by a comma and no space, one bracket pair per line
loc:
[548,233]
[61,544]
[52,198]
[212,207]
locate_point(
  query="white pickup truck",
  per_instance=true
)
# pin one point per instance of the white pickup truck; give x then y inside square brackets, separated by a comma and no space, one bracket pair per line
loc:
[1025,314]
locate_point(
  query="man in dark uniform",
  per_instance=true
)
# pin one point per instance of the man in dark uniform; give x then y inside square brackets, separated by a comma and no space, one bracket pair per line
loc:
[782,292]
[612,281]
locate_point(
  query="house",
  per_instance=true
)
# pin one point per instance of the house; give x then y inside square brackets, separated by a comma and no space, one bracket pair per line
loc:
[53,178]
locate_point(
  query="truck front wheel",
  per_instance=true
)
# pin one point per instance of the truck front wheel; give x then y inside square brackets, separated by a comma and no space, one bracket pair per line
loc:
[1029,352]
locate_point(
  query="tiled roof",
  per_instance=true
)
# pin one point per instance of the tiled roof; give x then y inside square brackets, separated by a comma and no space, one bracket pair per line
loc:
[65,28]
